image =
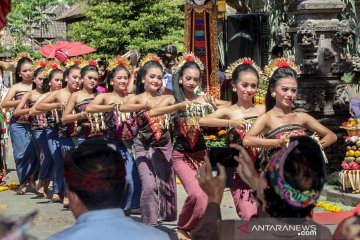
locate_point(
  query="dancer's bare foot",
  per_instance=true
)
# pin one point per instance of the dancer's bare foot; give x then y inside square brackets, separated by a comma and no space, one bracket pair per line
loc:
[40,187]
[182,234]
[56,198]
[66,202]
[21,190]
[32,183]
[46,188]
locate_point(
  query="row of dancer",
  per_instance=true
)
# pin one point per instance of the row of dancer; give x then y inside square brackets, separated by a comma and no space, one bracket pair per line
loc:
[140,125]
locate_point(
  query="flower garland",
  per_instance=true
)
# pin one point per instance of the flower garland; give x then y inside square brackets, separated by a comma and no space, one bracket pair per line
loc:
[12,186]
[88,63]
[328,206]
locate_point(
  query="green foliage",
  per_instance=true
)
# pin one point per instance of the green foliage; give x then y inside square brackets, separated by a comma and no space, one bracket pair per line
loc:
[115,26]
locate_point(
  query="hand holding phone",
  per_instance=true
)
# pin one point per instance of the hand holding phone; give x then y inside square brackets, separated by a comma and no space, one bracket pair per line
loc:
[223,155]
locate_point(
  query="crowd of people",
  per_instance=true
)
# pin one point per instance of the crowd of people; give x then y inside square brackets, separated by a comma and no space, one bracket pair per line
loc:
[113,135]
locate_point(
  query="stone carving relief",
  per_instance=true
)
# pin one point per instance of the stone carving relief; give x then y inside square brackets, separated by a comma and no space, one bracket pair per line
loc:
[343,35]
[342,66]
[309,66]
[306,35]
[309,100]
[282,37]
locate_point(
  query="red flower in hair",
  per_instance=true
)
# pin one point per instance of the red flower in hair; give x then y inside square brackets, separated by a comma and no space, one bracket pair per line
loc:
[54,66]
[283,64]
[248,62]
[92,63]
[189,58]
[121,63]
[77,62]
[156,59]
[43,64]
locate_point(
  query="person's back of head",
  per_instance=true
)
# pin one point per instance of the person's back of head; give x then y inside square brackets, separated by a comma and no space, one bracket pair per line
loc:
[95,171]
[295,177]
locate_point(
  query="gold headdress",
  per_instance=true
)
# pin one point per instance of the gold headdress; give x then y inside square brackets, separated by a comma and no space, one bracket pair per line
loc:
[20,56]
[88,63]
[245,61]
[52,65]
[150,57]
[279,63]
[40,63]
[188,57]
[74,61]
[119,61]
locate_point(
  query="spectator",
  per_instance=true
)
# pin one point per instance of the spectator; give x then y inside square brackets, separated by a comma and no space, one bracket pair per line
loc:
[298,168]
[168,57]
[95,174]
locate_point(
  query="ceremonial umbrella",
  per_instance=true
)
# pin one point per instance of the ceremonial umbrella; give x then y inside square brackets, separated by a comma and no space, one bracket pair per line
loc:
[63,49]
[4,10]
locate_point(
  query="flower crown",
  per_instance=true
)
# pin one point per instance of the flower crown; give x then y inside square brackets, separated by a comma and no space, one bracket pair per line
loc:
[40,63]
[244,61]
[279,63]
[20,56]
[52,65]
[188,57]
[150,57]
[74,61]
[119,61]
[90,62]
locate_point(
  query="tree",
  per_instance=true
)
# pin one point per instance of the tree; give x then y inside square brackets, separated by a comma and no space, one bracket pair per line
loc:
[115,26]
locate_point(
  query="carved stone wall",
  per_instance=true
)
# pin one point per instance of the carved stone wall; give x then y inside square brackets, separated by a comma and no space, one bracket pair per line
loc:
[318,39]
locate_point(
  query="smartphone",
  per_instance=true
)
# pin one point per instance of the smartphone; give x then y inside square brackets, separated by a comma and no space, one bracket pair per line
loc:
[223,155]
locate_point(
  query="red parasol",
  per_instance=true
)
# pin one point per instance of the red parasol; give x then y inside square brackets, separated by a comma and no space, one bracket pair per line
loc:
[4,10]
[62,50]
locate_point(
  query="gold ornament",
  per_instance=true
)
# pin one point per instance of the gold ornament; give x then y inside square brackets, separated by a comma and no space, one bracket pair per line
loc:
[245,61]
[119,61]
[180,82]
[111,83]
[234,89]
[150,57]
[187,57]
[273,94]
[279,63]
[90,62]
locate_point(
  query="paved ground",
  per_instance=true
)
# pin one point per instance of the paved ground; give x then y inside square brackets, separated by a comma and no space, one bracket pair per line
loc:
[52,218]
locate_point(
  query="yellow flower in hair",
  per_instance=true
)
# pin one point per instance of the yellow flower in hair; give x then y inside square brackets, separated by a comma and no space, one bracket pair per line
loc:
[39,63]
[150,57]
[188,57]
[246,61]
[20,56]
[119,61]
[52,65]
[279,63]
[74,61]
[88,63]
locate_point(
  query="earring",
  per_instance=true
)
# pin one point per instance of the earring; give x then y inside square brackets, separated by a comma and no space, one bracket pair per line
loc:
[234,89]
[142,81]
[273,94]
[111,83]
[180,81]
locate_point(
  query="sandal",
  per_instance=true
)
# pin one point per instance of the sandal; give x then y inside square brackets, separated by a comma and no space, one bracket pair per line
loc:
[66,203]
[56,198]
[21,190]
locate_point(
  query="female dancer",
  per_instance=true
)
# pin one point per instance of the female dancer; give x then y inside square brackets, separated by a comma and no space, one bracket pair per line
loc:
[78,102]
[152,147]
[189,144]
[38,126]
[121,127]
[23,147]
[239,119]
[55,103]
[280,122]
[53,82]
